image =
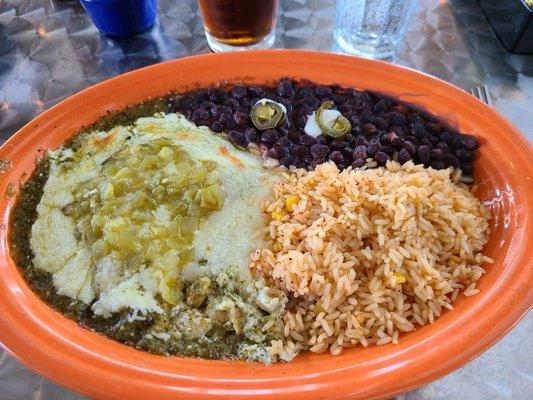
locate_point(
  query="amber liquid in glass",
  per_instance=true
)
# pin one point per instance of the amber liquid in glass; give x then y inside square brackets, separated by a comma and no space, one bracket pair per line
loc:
[239,22]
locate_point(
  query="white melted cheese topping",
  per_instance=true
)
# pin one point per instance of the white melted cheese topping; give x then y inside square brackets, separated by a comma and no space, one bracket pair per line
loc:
[223,243]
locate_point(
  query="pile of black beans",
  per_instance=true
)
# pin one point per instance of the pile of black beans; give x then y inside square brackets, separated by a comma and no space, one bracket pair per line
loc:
[383,128]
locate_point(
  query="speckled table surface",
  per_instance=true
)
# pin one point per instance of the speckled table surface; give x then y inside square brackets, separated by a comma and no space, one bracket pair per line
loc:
[50,50]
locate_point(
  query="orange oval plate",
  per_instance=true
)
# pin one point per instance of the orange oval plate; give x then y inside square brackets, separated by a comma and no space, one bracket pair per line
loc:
[96,366]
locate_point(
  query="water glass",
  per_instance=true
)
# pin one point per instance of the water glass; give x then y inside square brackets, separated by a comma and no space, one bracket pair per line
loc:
[371,28]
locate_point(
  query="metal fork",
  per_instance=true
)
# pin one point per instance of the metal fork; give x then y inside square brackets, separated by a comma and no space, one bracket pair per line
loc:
[482,93]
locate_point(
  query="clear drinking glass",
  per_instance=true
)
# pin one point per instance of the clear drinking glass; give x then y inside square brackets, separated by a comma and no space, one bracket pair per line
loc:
[371,28]
[239,24]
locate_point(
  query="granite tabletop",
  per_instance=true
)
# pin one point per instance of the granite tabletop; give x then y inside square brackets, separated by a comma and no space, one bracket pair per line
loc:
[50,50]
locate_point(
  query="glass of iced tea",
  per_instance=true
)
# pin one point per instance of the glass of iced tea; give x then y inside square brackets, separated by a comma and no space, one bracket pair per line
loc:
[239,24]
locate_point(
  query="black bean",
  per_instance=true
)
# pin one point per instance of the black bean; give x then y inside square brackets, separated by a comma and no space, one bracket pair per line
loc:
[446,136]
[345,108]
[336,156]
[436,154]
[283,131]
[200,117]
[217,110]
[227,121]
[187,102]
[423,154]
[381,105]
[306,140]
[237,138]
[319,151]
[305,111]
[216,95]
[451,160]
[381,158]
[432,139]
[269,136]
[456,141]
[246,103]
[273,153]
[443,146]
[413,139]
[313,102]
[381,123]
[315,162]
[306,92]
[361,141]
[299,151]
[217,127]
[238,92]
[397,141]
[349,138]
[354,120]
[373,147]
[200,95]
[300,123]
[287,160]
[403,156]
[360,152]
[370,129]
[299,163]
[232,103]
[285,88]
[347,151]
[437,164]
[367,116]
[294,136]
[387,149]
[207,105]
[410,147]
[384,139]
[256,91]
[338,144]
[469,142]
[358,163]
[339,99]
[426,142]
[308,158]
[251,135]
[418,129]
[280,149]
[284,141]
[323,91]
[241,118]
[465,155]
[321,139]
[399,119]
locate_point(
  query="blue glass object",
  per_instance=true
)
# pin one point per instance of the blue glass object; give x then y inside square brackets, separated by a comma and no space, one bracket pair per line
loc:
[121,17]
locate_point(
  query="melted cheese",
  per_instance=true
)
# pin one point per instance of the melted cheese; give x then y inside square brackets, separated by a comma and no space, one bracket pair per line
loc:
[222,243]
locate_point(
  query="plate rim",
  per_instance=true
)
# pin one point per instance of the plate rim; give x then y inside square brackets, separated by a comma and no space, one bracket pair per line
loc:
[226,388]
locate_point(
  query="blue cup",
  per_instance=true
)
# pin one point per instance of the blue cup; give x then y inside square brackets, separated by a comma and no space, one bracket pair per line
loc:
[121,17]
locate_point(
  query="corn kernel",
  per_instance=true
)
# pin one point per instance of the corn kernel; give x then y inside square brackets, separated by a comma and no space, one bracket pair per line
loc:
[291,202]
[276,215]
[277,247]
[400,278]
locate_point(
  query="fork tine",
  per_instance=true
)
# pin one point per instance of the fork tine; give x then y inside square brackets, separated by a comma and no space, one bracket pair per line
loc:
[486,95]
[482,93]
